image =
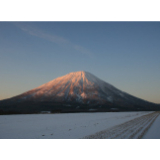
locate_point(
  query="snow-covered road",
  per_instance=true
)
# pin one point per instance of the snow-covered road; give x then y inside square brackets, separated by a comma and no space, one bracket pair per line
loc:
[74,125]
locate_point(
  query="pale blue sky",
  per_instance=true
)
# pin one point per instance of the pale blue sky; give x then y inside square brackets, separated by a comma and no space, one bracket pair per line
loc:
[124,54]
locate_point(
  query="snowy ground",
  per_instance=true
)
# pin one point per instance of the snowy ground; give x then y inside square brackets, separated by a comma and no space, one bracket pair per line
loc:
[71,125]
[154,131]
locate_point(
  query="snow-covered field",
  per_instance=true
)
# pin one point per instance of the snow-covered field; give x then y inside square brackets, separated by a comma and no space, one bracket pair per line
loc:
[154,131]
[67,125]
[133,129]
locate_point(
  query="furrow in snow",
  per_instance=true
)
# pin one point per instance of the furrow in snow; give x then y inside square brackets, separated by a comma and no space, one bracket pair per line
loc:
[135,128]
[138,128]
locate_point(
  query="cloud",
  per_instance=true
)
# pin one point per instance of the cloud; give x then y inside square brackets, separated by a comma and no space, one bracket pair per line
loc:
[82,50]
[39,33]
[52,38]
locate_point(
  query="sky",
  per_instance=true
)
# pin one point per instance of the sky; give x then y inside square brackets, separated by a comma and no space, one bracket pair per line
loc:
[124,54]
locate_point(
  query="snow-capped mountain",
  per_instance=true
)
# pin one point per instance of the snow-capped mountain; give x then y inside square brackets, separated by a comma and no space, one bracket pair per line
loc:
[76,86]
[79,89]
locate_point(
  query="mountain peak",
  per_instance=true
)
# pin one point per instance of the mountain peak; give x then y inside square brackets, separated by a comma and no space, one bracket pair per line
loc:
[80,86]
[79,73]
[75,86]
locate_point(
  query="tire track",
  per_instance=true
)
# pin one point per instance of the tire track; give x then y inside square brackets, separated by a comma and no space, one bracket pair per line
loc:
[133,129]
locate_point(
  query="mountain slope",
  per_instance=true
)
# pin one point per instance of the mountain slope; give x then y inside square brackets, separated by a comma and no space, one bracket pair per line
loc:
[78,89]
[78,86]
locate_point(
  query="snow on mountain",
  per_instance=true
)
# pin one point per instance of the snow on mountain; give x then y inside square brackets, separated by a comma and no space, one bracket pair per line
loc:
[78,86]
